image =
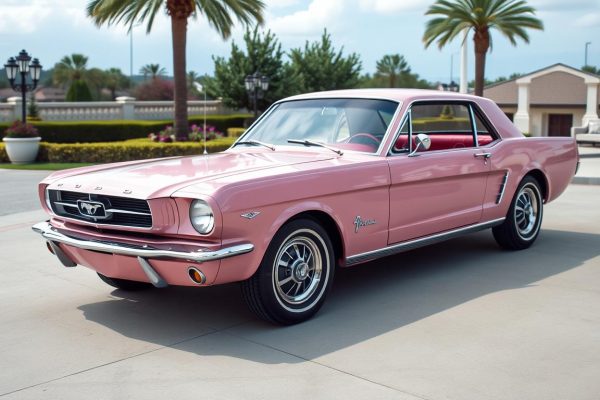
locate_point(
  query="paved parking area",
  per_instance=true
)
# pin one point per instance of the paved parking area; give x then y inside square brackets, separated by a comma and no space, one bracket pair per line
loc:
[19,190]
[459,320]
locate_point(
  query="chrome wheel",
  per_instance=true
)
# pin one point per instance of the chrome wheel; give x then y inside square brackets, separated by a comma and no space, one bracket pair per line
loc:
[297,269]
[295,274]
[524,218]
[526,211]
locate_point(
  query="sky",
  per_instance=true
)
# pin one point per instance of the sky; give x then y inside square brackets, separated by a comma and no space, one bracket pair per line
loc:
[51,29]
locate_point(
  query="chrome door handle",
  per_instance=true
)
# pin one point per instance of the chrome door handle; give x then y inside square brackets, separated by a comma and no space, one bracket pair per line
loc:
[484,155]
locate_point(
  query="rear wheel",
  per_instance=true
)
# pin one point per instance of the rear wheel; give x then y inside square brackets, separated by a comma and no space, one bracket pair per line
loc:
[294,276]
[522,224]
[124,284]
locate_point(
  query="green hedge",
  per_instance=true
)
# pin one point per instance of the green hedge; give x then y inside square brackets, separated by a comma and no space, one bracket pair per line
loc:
[235,132]
[113,131]
[119,151]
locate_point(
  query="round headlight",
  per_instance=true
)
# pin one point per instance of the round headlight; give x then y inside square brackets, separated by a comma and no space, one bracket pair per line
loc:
[201,216]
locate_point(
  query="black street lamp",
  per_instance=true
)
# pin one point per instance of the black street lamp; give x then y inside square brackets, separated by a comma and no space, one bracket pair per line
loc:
[256,86]
[21,65]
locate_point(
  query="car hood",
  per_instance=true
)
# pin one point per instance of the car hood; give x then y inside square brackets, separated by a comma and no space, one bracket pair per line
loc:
[161,178]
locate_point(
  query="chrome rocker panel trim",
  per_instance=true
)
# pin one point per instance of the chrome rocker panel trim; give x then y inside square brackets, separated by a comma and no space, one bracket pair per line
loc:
[421,242]
[49,233]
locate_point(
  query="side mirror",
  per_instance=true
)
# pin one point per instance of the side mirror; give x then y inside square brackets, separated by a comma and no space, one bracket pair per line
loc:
[422,141]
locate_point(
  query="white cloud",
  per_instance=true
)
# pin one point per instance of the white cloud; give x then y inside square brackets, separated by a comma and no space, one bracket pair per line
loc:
[562,5]
[394,6]
[19,17]
[280,3]
[591,20]
[320,14]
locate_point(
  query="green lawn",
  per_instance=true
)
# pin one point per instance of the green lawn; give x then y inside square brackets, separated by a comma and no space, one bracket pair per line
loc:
[43,166]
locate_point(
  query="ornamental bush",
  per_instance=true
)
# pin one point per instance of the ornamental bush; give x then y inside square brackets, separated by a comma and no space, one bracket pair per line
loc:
[19,130]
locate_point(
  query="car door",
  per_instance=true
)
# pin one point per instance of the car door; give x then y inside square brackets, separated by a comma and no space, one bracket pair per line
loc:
[441,188]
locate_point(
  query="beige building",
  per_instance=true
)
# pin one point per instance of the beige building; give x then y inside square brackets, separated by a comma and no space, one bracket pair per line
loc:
[550,101]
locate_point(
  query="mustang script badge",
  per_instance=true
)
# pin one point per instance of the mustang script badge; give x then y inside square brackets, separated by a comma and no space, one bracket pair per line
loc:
[93,209]
[359,223]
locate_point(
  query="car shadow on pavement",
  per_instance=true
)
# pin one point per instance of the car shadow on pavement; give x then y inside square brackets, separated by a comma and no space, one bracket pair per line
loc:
[366,301]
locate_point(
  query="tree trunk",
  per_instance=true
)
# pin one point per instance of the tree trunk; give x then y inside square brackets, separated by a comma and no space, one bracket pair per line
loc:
[482,44]
[179,31]
[479,73]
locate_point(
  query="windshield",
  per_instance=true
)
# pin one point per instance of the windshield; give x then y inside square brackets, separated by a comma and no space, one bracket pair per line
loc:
[349,124]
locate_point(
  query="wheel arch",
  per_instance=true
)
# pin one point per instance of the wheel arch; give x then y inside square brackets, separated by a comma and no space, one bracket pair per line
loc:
[542,180]
[331,227]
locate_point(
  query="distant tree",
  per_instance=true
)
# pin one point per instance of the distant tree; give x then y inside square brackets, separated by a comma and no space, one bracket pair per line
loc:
[71,72]
[219,14]
[153,71]
[263,53]
[510,17]
[155,89]
[113,79]
[391,66]
[394,71]
[591,69]
[3,79]
[79,91]
[320,67]
[33,112]
[192,79]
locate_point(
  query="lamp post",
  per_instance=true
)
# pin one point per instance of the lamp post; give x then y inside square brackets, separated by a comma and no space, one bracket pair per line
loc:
[21,65]
[200,88]
[256,86]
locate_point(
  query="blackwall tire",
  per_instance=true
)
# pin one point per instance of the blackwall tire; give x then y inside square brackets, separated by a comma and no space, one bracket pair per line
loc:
[294,276]
[522,225]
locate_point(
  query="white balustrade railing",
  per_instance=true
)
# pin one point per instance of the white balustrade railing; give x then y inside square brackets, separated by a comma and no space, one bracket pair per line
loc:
[124,108]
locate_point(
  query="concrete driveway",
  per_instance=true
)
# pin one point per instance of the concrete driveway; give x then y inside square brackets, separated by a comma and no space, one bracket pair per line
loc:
[459,320]
[19,190]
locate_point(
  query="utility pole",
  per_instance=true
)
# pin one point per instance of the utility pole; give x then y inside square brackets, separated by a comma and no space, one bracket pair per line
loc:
[586,53]
[464,59]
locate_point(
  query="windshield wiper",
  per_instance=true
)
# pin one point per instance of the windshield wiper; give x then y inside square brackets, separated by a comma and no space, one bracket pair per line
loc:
[318,144]
[257,143]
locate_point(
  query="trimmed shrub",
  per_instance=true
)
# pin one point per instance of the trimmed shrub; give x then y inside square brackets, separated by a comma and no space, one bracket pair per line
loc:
[113,131]
[79,91]
[235,132]
[140,149]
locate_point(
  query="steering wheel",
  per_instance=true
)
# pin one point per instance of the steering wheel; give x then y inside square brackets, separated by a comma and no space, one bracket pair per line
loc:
[364,138]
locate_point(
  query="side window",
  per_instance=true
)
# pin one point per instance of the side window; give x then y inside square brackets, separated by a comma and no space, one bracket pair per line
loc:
[447,124]
[485,134]
[401,143]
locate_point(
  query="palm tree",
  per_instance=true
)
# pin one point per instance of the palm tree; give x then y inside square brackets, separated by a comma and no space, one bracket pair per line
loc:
[154,70]
[391,66]
[510,17]
[217,12]
[113,80]
[69,69]
[71,72]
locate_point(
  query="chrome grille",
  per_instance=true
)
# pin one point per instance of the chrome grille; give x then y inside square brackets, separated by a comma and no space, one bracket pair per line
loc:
[120,211]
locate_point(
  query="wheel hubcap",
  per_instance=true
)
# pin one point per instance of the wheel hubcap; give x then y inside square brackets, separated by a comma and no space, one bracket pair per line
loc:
[526,211]
[298,270]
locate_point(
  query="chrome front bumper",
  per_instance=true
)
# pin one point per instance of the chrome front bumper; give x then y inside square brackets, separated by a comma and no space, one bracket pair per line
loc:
[49,233]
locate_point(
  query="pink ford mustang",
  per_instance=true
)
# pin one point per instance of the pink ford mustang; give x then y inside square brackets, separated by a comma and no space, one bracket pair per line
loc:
[321,181]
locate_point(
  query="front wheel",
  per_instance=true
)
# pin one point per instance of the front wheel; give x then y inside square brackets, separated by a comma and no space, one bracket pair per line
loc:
[294,276]
[522,224]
